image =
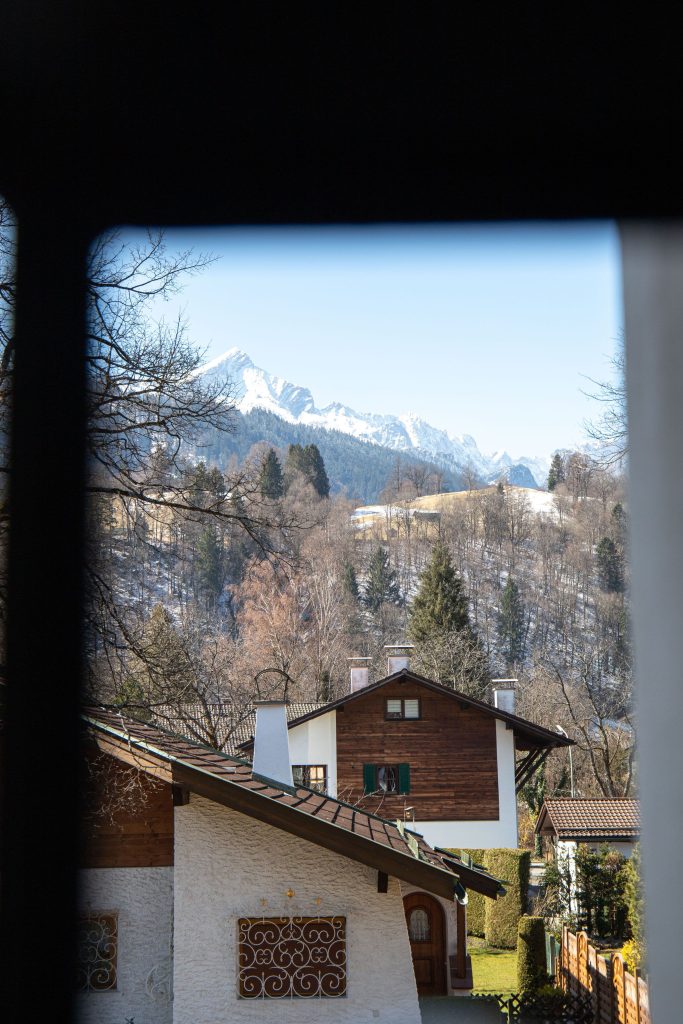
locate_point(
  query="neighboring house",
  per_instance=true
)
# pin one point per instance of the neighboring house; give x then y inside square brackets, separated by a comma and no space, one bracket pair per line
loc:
[213,891]
[226,725]
[566,822]
[408,748]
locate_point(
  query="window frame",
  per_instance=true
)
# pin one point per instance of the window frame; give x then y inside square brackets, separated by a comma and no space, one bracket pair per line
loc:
[306,780]
[402,770]
[392,717]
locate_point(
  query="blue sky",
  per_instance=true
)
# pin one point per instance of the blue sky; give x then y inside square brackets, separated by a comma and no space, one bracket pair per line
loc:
[481,330]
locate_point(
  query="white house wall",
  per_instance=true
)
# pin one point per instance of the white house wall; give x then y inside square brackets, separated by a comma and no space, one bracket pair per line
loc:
[461,835]
[142,899]
[315,742]
[229,866]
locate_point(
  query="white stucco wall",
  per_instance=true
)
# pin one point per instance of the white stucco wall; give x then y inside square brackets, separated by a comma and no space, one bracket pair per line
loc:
[461,835]
[143,900]
[229,866]
[315,742]
[625,849]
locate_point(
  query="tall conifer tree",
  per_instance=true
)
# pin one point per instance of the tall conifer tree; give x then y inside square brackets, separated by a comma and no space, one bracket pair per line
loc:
[315,471]
[271,483]
[556,474]
[381,586]
[511,623]
[441,602]
[446,645]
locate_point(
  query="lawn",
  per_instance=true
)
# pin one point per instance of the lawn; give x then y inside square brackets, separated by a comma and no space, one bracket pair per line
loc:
[493,970]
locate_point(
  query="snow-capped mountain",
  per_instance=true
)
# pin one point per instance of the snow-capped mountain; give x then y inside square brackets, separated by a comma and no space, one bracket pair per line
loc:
[256,388]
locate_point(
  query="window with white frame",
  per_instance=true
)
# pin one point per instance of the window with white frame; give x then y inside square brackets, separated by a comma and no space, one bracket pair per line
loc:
[400,708]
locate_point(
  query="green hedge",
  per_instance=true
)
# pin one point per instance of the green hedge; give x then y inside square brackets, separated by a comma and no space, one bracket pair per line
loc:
[496,920]
[476,903]
[531,962]
[502,915]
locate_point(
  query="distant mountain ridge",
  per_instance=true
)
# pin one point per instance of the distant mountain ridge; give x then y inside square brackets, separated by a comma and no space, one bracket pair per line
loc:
[408,433]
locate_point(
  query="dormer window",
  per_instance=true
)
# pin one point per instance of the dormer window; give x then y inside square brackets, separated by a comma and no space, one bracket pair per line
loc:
[400,708]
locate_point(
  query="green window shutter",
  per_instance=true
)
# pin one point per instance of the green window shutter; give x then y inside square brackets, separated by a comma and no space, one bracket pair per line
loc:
[369,785]
[404,778]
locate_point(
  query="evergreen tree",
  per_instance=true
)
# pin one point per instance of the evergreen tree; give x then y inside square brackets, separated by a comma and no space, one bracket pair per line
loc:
[210,565]
[315,471]
[350,581]
[271,483]
[308,462]
[511,623]
[295,464]
[610,566]
[556,474]
[446,645]
[440,604]
[161,668]
[381,586]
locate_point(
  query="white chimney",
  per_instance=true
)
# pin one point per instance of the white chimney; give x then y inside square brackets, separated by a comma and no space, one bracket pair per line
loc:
[504,694]
[271,742]
[398,657]
[360,673]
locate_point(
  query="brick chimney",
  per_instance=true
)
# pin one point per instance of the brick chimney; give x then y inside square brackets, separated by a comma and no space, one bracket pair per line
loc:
[360,673]
[504,694]
[271,741]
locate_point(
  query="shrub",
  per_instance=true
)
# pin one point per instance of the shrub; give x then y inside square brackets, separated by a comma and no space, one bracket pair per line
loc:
[502,915]
[532,973]
[601,879]
[634,955]
[635,903]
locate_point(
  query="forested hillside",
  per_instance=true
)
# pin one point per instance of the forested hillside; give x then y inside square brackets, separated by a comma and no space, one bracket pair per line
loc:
[249,573]
[357,469]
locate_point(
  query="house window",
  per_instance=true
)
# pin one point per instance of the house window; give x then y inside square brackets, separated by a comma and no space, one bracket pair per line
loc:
[314,776]
[97,949]
[386,778]
[400,708]
[418,925]
[282,957]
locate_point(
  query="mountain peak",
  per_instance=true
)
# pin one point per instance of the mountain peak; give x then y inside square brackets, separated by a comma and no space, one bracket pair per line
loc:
[256,388]
[234,357]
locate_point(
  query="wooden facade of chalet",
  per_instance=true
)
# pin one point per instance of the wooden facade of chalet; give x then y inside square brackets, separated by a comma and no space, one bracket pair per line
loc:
[444,759]
[127,818]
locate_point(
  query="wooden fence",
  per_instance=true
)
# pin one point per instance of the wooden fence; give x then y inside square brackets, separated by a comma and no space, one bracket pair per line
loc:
[617,996]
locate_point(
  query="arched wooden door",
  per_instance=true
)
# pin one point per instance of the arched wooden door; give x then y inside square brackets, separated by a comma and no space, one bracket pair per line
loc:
[427,934]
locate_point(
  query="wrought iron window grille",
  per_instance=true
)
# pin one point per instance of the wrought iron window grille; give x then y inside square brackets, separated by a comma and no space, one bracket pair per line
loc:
[97,953]
[292,957]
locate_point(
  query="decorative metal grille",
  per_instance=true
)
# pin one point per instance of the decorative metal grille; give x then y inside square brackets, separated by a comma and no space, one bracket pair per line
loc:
[282,957]
[97,942]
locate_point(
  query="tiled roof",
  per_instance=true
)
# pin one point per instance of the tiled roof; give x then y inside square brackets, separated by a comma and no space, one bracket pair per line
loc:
[231,724]
[200,768]
[590,819]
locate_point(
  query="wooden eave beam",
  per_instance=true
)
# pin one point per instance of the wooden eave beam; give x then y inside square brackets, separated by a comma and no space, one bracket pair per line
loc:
[521,765]
[530,764]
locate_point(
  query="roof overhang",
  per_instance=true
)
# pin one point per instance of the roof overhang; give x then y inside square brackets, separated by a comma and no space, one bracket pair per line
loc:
[164,766]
